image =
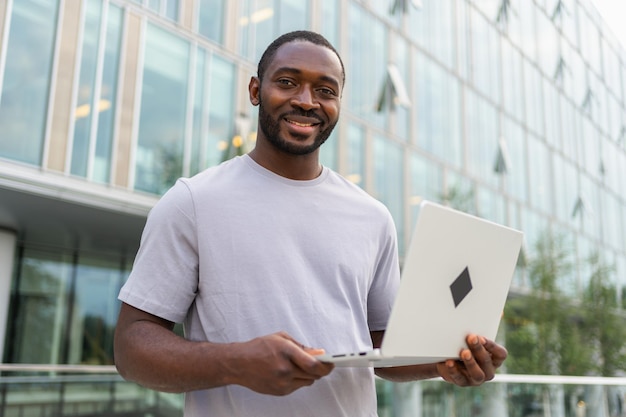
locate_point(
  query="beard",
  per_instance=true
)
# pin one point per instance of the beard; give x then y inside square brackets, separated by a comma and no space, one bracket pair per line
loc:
[271,129]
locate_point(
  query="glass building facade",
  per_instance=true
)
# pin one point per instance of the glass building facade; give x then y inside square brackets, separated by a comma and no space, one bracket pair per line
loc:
[514,109]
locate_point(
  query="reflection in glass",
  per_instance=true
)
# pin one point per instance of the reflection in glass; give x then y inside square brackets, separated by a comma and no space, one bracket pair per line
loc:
[65,308]
[162,117]
[355,171]
[482,137]
[438,111]
[425,182]
[41,308]
[388,184]
[211,18]
[221,111]
[367,64]
[98,281]
[26,82]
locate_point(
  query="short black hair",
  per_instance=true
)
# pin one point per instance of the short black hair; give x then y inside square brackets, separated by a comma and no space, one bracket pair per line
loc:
[298,35]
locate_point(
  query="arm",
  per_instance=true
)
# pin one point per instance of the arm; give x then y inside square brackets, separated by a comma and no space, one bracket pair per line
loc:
[149,353]
[478,364]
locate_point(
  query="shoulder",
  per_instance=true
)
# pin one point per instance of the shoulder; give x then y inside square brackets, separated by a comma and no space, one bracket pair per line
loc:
[352,193]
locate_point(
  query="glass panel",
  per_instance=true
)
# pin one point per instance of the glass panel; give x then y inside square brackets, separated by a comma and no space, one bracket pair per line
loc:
[513,89]
[482,138]
[257,27]
[437,111]
[108,96]
[491,205]
[570,128]
[171,9]
[41,308]
[98,281]
[200,125]
[221,113]
[426,183]
[329,20]
[367,65]
[329,150]
[26,83]
[293,15]
[548,46]
[485,52]
[516,177]
[211,18]
[86,85]
[527,11]
[589,218]
[162,118]
[355,171]
[589,148]
[401,114]
[388,185]
[534,99]
[433,28]
[540,175]
[567,192]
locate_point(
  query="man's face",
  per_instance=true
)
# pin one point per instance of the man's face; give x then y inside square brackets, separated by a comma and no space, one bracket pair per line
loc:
[299,97]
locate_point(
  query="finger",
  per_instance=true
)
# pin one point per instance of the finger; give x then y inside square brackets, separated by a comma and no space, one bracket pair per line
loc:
[481,357]
[497,352]
[475,372]
[307,362]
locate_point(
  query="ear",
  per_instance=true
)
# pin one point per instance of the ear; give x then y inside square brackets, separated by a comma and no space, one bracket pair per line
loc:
[254,90]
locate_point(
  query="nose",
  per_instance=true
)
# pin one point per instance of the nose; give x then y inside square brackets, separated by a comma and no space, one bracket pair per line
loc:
[305,99]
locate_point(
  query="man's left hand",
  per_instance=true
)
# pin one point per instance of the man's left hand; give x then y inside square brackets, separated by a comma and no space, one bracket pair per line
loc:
[477,363]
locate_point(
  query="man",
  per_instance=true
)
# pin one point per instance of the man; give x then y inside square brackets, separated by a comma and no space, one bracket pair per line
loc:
[268,259]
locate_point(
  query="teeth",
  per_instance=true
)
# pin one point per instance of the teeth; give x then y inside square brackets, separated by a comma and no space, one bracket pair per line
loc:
[301,124]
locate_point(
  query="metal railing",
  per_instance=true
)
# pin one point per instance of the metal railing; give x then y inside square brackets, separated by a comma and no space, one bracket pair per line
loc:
[78,391]
[99,391]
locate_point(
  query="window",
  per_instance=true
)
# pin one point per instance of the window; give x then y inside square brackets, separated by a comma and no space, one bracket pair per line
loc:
[482,137]
[513,89]
[433,28]
[388,184]
[516,181]
[534,98]
[540,175]
[159,155]
[211,18]
[66,307]
[425,183]
[217,133]
[485,52]
[355,171]
[329,20]
[437,111]
[26,81]
[221,109]
[367,60]
[96,94]
[262,20]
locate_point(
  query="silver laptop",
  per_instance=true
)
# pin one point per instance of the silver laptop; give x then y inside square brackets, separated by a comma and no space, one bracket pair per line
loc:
[455,281]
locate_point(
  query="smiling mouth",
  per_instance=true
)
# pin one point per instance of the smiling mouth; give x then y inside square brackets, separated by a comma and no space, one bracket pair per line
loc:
[300,124]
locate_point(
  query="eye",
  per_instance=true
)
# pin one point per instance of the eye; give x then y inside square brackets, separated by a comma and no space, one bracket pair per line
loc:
[285,82]
[327,91]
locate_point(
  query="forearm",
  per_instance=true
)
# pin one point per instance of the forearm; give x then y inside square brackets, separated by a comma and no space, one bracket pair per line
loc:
[408,373]
[157,358]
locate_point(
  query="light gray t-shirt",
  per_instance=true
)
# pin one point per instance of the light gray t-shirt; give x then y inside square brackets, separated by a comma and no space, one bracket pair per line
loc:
[238,252]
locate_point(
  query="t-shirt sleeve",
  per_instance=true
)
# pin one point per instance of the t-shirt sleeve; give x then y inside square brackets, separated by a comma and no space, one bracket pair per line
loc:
[386,280]
[164,277]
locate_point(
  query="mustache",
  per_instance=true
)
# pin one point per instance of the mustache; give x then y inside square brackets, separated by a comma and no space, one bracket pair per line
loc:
[303,113]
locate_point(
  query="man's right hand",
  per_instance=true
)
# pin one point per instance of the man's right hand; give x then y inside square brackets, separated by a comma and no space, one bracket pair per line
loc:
[149,353]
[275,364]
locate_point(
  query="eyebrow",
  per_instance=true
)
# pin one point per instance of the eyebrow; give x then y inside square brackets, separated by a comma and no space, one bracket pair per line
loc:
[326,78]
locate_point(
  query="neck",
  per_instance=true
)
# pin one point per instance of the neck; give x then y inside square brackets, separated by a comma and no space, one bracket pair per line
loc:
[294,167]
